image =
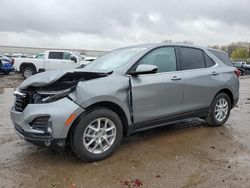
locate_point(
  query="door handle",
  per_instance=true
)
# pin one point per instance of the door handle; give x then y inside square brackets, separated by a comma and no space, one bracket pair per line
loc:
[175,78]
[214,73]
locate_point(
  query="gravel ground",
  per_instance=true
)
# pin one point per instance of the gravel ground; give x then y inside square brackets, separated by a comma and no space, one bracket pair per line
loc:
[187,154]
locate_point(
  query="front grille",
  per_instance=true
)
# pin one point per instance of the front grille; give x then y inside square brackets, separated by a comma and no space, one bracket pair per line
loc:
[21,101]
[19,104]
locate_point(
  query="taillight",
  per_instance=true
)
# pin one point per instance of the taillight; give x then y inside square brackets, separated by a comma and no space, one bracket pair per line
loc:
[12,61]
[237,72]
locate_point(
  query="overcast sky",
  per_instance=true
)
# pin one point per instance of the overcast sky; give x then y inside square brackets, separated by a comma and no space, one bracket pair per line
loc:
[108,24]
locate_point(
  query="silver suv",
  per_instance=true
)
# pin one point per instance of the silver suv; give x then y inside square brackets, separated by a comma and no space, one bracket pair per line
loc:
[125,91]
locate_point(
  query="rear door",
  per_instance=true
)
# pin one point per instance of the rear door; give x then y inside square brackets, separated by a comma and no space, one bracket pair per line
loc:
[199,74]
[160,95]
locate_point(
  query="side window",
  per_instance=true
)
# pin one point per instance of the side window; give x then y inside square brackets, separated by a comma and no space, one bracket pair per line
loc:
[55,55]
[192,58]
[164,58]
[66,56]
[223,57]
[209,61]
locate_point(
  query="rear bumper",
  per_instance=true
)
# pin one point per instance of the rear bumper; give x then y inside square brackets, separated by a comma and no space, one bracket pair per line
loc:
[58,113]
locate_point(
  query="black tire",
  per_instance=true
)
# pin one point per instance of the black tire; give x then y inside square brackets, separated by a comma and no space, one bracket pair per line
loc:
[76,138]
[247,72]
[28,69]
[210,118]
[6,73]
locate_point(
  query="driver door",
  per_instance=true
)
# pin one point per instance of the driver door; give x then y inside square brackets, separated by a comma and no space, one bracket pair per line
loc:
[158,96]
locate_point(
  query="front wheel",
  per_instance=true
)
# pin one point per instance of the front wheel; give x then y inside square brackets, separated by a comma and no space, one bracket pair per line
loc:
[97,135]
[219,110]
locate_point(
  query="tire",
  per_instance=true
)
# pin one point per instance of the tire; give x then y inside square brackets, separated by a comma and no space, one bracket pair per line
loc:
[28,72]
[79,141]
[6,73]
[247,72]
[213,118]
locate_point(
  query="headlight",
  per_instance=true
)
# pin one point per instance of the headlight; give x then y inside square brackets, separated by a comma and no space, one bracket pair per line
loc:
[50,96]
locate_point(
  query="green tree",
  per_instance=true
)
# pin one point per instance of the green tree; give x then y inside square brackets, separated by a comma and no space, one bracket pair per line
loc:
[239,53]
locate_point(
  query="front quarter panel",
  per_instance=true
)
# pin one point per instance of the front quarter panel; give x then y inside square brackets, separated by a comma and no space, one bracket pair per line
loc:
[113,88]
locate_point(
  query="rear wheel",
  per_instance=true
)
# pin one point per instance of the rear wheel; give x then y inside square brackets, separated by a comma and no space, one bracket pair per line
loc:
[219,110]
[28,72]
[97,135]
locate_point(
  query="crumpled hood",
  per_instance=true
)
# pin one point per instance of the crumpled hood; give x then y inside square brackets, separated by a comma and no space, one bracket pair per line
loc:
[50,77]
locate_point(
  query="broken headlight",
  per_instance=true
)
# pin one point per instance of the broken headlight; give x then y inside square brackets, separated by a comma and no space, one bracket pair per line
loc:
[51,96]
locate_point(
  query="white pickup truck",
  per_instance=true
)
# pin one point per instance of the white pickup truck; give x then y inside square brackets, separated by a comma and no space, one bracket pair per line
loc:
[52,59]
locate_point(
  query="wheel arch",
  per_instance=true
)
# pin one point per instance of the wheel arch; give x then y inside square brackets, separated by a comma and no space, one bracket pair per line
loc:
[27,64]
[229,93]
[105,104]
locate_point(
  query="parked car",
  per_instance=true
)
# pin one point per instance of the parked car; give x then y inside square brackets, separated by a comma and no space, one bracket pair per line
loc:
[90,58]
[243,67]
[5,58]
[123,92]
[53,59]
[6,67]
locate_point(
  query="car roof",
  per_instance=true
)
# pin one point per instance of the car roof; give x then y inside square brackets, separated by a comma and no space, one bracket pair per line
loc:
[217,50]
[154,45]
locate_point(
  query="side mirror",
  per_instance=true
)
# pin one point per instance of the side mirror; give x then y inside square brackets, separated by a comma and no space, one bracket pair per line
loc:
[73,58]
[144,69]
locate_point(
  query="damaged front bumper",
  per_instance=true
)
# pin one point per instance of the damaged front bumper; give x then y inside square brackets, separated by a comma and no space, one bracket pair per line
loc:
[44,124]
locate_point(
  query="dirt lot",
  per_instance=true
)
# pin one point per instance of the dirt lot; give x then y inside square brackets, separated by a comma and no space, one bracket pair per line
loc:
[188,154]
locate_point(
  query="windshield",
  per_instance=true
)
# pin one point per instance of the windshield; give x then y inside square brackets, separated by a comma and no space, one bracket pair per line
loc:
[77,55]
[115,59]
[39,56]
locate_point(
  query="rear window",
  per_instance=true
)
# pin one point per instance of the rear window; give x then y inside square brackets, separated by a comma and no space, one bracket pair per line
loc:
[223,57]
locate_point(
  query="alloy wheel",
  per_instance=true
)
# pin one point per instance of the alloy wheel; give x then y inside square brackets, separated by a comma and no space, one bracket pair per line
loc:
[221,109]
[99,135]
[27,73]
